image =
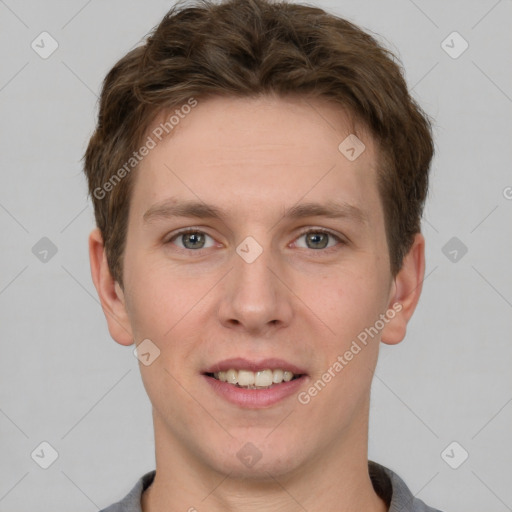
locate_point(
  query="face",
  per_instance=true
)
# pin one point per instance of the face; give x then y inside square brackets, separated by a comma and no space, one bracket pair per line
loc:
[284,267]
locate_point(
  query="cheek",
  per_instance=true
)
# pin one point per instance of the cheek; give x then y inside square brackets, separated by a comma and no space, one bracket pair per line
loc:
[351,301]
[157,299]
[145,309]
[350,305]
[163,309]
[148,313]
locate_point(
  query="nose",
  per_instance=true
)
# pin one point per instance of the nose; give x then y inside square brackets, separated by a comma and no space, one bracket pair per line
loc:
[255,296]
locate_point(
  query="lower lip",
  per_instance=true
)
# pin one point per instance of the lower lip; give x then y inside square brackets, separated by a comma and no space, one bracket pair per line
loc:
[255,398]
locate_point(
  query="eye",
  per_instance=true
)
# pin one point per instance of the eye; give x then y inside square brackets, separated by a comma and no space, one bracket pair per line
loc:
[191,238]
[195,239]
[318,238]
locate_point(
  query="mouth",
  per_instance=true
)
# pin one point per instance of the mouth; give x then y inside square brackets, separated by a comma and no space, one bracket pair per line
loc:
[247,379]
[255,385]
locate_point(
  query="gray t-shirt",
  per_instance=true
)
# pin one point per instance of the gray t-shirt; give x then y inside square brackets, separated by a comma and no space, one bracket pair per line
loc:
[387,484]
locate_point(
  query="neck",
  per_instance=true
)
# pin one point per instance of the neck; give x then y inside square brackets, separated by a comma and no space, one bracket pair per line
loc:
[337,479]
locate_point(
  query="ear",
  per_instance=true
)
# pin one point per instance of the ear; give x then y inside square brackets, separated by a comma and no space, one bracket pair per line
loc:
[405,292]
[110,293]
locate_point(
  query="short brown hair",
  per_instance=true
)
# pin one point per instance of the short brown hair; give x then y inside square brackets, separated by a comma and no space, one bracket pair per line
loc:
[247,48]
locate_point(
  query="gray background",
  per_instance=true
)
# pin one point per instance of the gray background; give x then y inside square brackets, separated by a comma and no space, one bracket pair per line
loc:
[64,381]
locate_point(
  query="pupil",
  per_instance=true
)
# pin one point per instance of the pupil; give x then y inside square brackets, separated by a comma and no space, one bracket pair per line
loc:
[193,236]
[319,235]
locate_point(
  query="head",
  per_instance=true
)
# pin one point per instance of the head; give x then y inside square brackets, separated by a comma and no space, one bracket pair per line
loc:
[267,115]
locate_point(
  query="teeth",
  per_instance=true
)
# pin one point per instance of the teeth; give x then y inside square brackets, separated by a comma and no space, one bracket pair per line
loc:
[277,376]
[245,378]
[263,378]
[252,380]
[231,376]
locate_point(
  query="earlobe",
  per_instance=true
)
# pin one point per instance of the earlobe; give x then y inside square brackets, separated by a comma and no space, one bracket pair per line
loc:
[405,293]
[109,292]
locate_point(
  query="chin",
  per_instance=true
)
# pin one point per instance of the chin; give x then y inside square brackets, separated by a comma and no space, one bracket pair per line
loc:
[258,458]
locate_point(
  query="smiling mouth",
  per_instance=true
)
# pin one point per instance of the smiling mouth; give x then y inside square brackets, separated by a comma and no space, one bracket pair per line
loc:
[247,379]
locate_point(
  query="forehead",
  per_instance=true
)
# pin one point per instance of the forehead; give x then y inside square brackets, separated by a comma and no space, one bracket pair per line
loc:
[255,152]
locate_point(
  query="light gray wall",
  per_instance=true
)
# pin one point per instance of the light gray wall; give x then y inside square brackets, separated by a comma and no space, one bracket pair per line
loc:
[64,381]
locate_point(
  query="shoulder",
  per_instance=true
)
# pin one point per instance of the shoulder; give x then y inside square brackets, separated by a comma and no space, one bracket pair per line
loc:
[131,502]
[392,489]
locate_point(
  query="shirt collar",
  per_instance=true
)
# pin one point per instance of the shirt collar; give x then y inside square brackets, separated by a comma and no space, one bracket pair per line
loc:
[387,484]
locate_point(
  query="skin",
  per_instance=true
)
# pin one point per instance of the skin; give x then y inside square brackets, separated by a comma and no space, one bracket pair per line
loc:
[299,302]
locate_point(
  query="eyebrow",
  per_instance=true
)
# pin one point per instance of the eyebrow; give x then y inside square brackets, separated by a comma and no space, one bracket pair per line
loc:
[170,208]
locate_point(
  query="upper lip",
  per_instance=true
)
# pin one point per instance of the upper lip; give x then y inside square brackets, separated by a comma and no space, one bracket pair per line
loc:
[240,363]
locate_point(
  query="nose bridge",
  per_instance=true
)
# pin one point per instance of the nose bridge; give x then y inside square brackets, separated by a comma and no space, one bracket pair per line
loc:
[254,297]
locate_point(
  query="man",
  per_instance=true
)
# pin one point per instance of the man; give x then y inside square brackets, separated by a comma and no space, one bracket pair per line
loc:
[258,174]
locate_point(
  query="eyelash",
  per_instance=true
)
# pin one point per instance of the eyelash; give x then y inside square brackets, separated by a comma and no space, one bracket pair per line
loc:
[305,232]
